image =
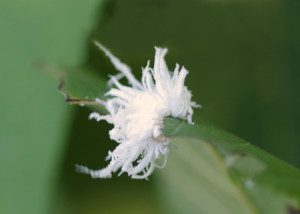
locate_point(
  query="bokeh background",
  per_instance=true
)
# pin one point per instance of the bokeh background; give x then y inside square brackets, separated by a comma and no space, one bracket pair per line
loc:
[243,58]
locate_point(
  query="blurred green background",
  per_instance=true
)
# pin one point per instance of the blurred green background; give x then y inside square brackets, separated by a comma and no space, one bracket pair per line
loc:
[243,58]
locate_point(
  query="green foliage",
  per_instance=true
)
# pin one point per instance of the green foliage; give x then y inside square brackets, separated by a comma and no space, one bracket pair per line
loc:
[81,86]
[34,119]
[242,58]
[224,174]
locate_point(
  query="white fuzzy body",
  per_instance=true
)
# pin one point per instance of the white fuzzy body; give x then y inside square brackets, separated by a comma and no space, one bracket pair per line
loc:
[137,114]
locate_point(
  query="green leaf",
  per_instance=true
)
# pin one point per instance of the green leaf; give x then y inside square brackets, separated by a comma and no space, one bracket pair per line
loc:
[81,86]
[211,171]
[34,121]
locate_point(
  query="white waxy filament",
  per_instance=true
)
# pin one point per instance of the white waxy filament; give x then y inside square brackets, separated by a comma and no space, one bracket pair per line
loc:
[137,113]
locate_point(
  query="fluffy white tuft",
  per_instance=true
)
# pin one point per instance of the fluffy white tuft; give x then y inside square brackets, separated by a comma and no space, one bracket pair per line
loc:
[137,114]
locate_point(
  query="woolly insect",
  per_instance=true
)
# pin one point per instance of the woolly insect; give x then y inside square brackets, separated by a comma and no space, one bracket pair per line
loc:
[137,114]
